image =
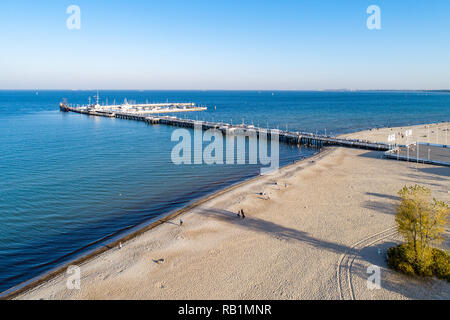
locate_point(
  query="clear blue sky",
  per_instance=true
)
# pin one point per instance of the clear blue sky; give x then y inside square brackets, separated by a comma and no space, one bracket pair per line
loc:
[225,44]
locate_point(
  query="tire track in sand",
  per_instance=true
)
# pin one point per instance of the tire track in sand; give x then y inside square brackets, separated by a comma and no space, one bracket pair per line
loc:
[345,264]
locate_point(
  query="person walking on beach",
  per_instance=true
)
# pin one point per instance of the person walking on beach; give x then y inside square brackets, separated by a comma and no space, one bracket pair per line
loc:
[181,222]
[239,213]
[242,214]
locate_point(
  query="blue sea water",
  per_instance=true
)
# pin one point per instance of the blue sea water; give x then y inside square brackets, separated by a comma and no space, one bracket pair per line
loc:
[70,182]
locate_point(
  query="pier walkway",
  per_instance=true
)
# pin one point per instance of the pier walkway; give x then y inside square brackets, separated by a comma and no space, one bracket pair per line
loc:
[422,153]
[297,138]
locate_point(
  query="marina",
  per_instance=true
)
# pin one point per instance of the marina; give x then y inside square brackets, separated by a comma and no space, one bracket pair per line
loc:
[141,109]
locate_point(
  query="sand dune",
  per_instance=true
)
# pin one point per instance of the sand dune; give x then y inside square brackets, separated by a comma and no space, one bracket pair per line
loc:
[318,224]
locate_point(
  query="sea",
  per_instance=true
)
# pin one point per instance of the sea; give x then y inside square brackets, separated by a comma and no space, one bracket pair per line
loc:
[70,183]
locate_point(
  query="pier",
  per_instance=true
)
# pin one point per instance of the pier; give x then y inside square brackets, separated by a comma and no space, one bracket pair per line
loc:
[142,109]
[296,138]
[422,153]
[151,108]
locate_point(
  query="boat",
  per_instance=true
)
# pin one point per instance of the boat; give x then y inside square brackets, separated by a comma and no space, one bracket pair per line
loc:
[63,107]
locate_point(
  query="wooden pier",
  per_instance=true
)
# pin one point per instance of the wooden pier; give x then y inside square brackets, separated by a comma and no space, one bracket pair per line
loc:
[296,138]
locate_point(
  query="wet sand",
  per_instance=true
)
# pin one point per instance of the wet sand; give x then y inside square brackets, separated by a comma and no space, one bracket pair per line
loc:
[310,232]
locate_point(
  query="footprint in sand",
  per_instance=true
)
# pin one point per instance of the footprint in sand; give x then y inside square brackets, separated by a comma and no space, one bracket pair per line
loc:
[213,252]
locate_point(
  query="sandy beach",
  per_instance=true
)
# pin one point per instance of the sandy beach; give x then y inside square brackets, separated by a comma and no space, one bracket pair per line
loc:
[437,133]
[311,231]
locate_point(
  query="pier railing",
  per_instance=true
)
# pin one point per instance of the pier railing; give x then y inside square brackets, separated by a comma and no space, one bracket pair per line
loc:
[298,138]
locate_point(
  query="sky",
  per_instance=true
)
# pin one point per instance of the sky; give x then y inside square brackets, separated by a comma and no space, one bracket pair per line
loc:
[225,45]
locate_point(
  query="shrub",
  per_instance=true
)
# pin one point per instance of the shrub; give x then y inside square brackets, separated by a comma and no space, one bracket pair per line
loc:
[398,260]
[421,221]
[406,268]
[439,266]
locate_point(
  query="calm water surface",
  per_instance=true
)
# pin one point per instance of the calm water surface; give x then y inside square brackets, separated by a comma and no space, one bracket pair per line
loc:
[69,182]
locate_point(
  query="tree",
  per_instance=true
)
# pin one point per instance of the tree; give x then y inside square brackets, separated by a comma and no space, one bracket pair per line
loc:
[421,220]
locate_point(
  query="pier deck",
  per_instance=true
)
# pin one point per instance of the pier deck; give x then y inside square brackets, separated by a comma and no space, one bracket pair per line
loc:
[422,153]
[297,138]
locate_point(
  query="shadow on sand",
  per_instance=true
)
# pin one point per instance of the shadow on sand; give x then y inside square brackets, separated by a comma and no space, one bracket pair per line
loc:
[395,282]
[275,230]
[380,206]
[372,155]
[404,286]
[440,171]
[384,196]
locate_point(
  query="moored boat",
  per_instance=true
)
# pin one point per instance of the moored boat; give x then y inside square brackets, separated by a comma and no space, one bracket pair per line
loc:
[63,107]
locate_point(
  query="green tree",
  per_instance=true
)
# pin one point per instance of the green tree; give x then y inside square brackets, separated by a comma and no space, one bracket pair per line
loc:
[421,220]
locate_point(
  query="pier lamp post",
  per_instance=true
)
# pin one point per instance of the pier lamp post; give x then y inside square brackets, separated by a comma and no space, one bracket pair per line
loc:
[391,139]
[446,135]
[417,157]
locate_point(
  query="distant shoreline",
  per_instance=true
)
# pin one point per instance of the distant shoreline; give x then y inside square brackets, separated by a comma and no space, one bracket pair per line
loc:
[244,90]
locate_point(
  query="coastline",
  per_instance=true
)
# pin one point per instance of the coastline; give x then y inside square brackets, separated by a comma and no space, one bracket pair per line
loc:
[47,281]
[30,284]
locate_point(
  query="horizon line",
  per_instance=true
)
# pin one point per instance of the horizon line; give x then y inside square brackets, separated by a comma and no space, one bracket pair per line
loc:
[265,90]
